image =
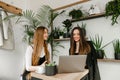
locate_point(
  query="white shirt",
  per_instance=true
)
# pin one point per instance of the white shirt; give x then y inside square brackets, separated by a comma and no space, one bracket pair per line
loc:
[28,55]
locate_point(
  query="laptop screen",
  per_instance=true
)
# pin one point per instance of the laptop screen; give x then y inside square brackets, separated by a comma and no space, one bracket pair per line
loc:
[72,63]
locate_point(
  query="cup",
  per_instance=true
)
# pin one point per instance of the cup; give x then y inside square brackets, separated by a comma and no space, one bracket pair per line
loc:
[40,70]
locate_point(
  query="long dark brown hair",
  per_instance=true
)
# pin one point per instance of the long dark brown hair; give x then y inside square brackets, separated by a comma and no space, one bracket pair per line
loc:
[38,44]
[84,47]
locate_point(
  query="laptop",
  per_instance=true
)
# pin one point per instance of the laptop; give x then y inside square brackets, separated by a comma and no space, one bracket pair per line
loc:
[72,63]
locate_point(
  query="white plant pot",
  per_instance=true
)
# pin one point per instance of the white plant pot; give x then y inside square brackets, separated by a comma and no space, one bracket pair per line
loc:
[60,37]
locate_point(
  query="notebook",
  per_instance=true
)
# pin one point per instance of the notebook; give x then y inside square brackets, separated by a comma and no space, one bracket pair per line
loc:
[72,63]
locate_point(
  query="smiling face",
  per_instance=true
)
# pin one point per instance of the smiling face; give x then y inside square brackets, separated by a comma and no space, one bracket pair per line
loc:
[76,35]
[45,36]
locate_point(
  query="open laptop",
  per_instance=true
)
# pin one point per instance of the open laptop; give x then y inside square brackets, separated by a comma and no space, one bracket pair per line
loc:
[72,63]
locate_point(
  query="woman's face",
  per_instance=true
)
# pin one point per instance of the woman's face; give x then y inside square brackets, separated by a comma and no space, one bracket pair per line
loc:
[76,35]
[45,36]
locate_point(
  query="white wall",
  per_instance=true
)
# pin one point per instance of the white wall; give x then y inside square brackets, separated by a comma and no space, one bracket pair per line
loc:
[101,26]
[11,61]
[34,5]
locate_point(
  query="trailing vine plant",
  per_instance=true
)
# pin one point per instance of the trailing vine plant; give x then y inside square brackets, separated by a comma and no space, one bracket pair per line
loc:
[113,8]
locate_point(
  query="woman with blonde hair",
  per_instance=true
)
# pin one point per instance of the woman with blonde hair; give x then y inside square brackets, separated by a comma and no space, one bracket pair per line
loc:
[37,54]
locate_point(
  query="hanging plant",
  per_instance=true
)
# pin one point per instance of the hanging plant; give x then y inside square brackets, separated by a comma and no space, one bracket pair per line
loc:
[113,8]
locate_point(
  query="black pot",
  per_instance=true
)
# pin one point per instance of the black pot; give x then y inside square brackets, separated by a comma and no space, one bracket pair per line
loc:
[66,35]
[50,70]
[100,54]
[117,56]
[56,35]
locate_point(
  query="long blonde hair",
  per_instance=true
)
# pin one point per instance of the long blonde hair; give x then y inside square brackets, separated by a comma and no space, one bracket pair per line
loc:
[84,47]
[39,43]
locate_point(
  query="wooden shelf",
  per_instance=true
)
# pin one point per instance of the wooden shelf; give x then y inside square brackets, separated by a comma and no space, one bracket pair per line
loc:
[89,17]
[64,39]
[108,60]
[69,5]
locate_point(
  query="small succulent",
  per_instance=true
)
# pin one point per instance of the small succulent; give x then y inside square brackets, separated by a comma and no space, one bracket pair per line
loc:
[97,42]
[51,64]
[116,45]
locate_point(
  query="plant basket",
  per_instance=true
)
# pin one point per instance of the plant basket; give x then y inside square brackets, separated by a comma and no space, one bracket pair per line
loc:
[50,70]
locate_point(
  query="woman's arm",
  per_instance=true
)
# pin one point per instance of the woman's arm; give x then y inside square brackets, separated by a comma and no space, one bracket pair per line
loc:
[50,52]
[28,60]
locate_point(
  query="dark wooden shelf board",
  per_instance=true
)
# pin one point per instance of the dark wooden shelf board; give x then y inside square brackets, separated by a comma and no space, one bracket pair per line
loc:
[108,60]
[89,17]
[64,39]
[69,5]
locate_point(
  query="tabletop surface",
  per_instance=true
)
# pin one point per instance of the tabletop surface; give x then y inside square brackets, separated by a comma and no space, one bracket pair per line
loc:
[63,76]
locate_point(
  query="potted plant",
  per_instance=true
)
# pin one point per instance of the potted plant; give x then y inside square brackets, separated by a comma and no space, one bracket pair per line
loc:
[67,24]
[116,46]
[97,42]
[113,8]
[50,69]
[75,13]
[55,33]
[55,44]
[61,34]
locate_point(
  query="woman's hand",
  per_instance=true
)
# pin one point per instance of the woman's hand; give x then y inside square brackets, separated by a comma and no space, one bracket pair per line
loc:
[41,69]
[43,64]
[35,68]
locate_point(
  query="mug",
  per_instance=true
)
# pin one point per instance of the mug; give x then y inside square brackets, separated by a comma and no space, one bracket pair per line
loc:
[40,70]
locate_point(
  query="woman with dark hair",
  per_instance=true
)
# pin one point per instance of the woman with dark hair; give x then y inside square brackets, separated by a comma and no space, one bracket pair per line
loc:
[37,54]
[80,46]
